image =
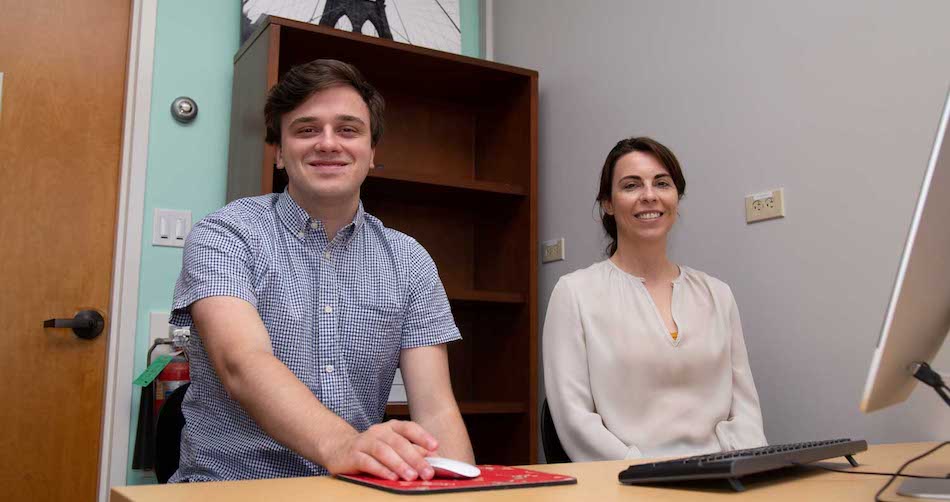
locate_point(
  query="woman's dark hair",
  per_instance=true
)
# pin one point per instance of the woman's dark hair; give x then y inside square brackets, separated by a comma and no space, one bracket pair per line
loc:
[298,84]
[649,146]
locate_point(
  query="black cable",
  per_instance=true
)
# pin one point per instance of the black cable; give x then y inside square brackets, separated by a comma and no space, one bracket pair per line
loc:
[871,473]
[943,394]
[877,496]
[926,374]
[893,475]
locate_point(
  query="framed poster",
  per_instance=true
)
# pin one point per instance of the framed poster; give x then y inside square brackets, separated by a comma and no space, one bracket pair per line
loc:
[428,23]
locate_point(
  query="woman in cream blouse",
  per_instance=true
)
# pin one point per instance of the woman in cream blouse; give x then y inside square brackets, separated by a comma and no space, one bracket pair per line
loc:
[644,357]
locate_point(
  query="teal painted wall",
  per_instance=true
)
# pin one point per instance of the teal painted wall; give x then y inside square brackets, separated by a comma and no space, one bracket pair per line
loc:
[470,22]
[195,43]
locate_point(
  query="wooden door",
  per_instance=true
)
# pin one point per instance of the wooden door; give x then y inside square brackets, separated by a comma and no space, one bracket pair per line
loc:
[64,65]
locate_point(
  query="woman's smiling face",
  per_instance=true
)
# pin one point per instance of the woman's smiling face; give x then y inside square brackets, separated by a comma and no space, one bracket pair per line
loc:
[643,198]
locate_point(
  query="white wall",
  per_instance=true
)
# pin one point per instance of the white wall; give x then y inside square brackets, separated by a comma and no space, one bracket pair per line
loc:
[836,101]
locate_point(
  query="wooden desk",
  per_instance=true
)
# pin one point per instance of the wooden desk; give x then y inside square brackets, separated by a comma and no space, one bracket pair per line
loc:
[595,481]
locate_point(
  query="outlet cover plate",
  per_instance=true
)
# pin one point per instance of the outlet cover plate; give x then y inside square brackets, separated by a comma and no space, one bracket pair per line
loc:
[765,205]
[552,250]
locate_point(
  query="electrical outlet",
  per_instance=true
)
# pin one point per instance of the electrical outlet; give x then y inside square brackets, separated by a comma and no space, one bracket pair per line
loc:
[552,250]
[765,205]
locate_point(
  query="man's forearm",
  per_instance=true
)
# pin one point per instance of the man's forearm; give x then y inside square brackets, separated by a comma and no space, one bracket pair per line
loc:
[284,407]
[449,429]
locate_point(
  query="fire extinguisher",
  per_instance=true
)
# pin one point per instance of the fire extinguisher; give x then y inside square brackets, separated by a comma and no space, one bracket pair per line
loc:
[176,372]
[172,377]
[156,391]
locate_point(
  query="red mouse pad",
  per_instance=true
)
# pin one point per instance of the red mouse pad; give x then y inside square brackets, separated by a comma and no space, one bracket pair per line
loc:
[494,477]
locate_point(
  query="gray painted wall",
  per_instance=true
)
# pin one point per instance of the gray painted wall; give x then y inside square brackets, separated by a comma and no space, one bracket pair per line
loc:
[837,102]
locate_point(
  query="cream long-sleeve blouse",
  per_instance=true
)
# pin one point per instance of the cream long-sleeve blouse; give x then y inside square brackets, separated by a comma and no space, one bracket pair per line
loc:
[618,384]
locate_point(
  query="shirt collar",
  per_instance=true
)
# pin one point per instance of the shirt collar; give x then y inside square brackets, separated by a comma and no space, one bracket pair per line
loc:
[297,220]
[350,230]
[294,217]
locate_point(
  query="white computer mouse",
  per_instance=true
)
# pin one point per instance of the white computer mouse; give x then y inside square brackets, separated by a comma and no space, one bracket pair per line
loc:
[453,469]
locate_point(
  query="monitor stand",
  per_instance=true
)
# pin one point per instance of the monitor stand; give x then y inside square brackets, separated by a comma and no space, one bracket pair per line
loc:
[935,489]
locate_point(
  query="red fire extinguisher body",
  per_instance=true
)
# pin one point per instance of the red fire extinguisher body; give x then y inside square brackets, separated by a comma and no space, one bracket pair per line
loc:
[172,377]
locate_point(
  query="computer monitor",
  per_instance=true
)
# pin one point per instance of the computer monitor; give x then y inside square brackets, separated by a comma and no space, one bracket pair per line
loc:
[918,316]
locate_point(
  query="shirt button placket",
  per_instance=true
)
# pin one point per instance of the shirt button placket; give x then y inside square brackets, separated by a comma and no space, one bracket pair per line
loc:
[328,327]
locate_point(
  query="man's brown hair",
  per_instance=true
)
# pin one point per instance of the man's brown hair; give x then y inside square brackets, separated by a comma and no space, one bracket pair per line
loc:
[302,81]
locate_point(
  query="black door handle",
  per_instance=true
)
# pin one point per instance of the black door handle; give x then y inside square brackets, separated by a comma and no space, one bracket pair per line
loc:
[87,324]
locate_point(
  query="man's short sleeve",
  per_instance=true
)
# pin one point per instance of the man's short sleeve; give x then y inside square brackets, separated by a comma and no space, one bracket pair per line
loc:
[428,318]
[216,262]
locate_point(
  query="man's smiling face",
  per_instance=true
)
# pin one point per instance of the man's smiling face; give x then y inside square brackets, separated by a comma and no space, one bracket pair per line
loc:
[326,146]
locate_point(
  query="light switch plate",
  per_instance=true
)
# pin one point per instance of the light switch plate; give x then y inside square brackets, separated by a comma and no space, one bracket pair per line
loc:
[552,250]
[170,227]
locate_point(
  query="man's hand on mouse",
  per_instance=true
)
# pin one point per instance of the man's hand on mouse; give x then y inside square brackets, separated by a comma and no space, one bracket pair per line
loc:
[390,450]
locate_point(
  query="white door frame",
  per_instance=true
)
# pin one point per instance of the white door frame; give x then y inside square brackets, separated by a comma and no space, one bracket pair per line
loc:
[117,401]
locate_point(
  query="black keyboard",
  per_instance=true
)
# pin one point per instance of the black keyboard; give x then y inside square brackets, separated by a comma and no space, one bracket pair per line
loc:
[733,465]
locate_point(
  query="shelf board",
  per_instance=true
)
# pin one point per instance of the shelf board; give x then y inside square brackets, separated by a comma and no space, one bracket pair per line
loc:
[469,408]
[472,295]
[470,185]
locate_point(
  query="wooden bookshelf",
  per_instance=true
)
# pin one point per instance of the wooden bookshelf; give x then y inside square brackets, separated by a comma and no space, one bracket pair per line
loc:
[456,170]
[470,295]
[467,408]
[475,186]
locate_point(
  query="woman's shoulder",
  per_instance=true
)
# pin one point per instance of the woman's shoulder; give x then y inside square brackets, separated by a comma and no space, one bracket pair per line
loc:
[717,287]
[592,275]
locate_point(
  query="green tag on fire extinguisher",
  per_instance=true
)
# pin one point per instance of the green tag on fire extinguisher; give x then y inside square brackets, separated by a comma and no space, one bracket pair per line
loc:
[153,370]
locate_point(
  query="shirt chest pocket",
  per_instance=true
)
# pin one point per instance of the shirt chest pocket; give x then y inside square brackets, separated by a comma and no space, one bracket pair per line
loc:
[372,334]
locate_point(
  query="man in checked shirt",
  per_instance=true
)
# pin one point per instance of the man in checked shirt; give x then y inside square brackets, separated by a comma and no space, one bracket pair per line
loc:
[303,305]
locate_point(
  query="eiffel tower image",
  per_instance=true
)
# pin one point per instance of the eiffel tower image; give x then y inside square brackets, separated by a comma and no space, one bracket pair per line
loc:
[358,12]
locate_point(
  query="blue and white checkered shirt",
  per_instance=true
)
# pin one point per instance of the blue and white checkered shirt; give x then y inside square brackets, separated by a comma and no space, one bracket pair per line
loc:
[338,313]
